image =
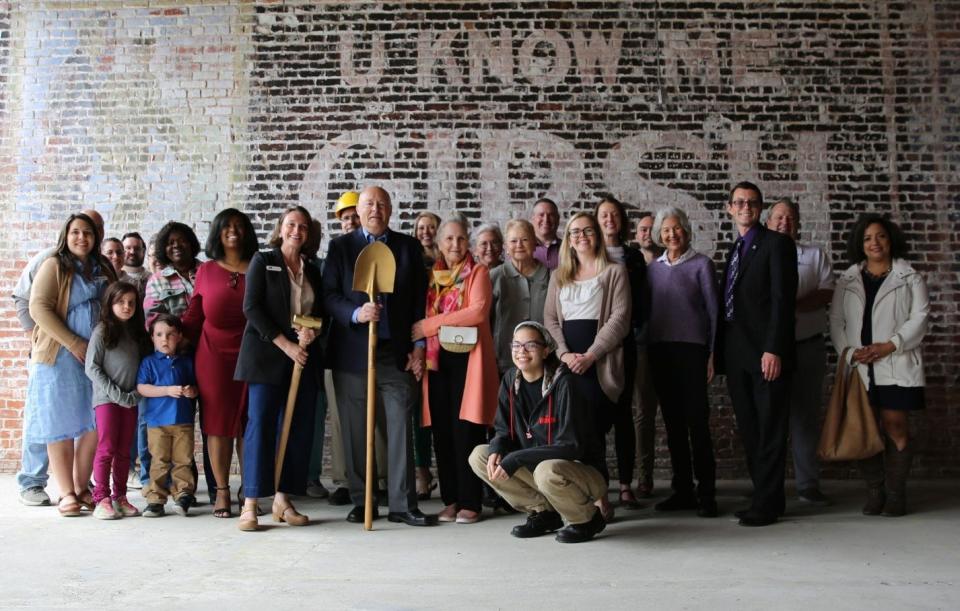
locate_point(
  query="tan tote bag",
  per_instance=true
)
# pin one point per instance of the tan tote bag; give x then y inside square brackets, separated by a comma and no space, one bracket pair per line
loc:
[850,430]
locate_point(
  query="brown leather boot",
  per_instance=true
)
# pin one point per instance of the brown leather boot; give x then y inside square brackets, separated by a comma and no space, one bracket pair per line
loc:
[872,471]
[897,468]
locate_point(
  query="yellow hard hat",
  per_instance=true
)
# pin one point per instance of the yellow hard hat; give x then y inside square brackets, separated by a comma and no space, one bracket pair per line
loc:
[347,200]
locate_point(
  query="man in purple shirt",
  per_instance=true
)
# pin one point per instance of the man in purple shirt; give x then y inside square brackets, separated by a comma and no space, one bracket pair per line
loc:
[546,220]
[756,347]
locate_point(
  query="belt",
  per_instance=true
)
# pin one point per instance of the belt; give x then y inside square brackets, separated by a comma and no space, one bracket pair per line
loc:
[812,338]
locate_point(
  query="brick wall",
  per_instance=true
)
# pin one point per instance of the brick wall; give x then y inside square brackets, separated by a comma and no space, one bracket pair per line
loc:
[152,110]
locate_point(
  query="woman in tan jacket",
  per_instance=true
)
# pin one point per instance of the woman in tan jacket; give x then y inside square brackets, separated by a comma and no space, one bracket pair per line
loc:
[588,311]
[65,303]
[459,389]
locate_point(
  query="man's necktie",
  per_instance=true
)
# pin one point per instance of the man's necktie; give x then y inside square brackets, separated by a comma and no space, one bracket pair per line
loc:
[732,271]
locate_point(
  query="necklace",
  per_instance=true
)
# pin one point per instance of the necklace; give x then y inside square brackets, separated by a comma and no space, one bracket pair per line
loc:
[882,274]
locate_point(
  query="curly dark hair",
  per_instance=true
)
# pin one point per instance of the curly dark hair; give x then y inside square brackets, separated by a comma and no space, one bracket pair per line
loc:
[163,236]
[898,242]
[214,248]
[113,327]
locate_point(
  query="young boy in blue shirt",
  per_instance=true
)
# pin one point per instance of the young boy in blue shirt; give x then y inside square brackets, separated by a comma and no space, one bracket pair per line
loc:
[167,381]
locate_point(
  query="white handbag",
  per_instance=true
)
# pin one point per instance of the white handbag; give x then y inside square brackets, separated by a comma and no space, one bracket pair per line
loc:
[458,339]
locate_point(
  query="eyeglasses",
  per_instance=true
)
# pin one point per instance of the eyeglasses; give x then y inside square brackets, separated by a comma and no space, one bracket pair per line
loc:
[741,203]
[587,233]
[530,346]
[234,280]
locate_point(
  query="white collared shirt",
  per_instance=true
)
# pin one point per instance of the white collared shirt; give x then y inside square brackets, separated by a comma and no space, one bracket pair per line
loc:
[814,272]
[301,291]
[686,256]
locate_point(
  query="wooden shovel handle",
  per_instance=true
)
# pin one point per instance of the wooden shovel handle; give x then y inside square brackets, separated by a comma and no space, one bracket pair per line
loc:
[368,505]
[287,420]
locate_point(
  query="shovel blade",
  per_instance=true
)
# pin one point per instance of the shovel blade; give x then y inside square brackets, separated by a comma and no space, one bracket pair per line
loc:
[375,270]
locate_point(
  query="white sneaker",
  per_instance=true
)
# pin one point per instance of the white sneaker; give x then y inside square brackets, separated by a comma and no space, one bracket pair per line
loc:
[34,496]
[133,481]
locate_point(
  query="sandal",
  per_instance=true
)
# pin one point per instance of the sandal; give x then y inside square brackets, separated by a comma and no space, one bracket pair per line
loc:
[425,491]
[85,499]
[628,500]
[248,520]
[241,499]
[425,484]
[223,512]
[289,515]
[72,508]
[606,509]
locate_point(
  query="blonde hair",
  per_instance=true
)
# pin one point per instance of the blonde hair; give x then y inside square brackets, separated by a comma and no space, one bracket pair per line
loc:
[433,252]
[523,225]
[569,263]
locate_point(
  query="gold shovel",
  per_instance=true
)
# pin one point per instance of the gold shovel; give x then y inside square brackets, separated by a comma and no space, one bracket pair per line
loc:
[311,323]
[373,274]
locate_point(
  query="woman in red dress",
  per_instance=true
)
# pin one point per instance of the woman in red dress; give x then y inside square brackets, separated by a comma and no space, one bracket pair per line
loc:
[214,321]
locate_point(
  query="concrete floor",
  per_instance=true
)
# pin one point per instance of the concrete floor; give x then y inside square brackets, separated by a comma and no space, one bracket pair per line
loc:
[831,558]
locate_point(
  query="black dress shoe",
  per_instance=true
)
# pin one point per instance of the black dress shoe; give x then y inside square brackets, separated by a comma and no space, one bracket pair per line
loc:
[356,514]
[746,511]
[538,523]
[414,517]
[340,496]
[708,508]
[678,502]
[578,533]
[751,518]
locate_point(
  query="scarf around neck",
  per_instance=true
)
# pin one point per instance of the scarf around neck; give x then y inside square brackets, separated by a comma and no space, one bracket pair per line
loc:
[445,295]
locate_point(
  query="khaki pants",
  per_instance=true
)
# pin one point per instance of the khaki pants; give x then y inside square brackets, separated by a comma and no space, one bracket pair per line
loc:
[171,449]
[338,472]
[565,486]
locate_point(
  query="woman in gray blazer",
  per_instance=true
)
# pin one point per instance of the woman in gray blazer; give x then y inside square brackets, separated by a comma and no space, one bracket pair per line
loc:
[519,289]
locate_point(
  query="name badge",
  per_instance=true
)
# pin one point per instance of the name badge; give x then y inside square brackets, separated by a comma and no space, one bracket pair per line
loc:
[274,268]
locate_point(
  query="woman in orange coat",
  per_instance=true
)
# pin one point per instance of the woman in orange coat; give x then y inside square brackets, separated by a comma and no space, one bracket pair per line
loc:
[459,389]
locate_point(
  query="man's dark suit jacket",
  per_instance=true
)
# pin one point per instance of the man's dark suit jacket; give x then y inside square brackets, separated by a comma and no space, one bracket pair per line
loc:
[764,304]
[347,345]
[266,304]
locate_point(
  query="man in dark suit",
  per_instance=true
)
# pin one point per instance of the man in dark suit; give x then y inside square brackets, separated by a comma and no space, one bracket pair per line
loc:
[400,362]
[756,347]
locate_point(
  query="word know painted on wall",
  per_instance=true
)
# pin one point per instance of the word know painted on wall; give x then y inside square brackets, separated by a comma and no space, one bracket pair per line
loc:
[545,58]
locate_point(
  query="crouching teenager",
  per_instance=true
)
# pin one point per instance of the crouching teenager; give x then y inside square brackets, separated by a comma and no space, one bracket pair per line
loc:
[542,460]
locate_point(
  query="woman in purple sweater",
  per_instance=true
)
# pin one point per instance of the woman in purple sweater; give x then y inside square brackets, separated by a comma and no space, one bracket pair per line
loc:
[682,327]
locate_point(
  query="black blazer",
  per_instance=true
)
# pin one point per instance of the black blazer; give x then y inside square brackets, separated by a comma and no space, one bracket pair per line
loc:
[266,304]
[406,305]
[764,304]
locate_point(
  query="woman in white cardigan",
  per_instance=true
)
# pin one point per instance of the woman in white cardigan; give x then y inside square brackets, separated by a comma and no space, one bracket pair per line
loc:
[879,311]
